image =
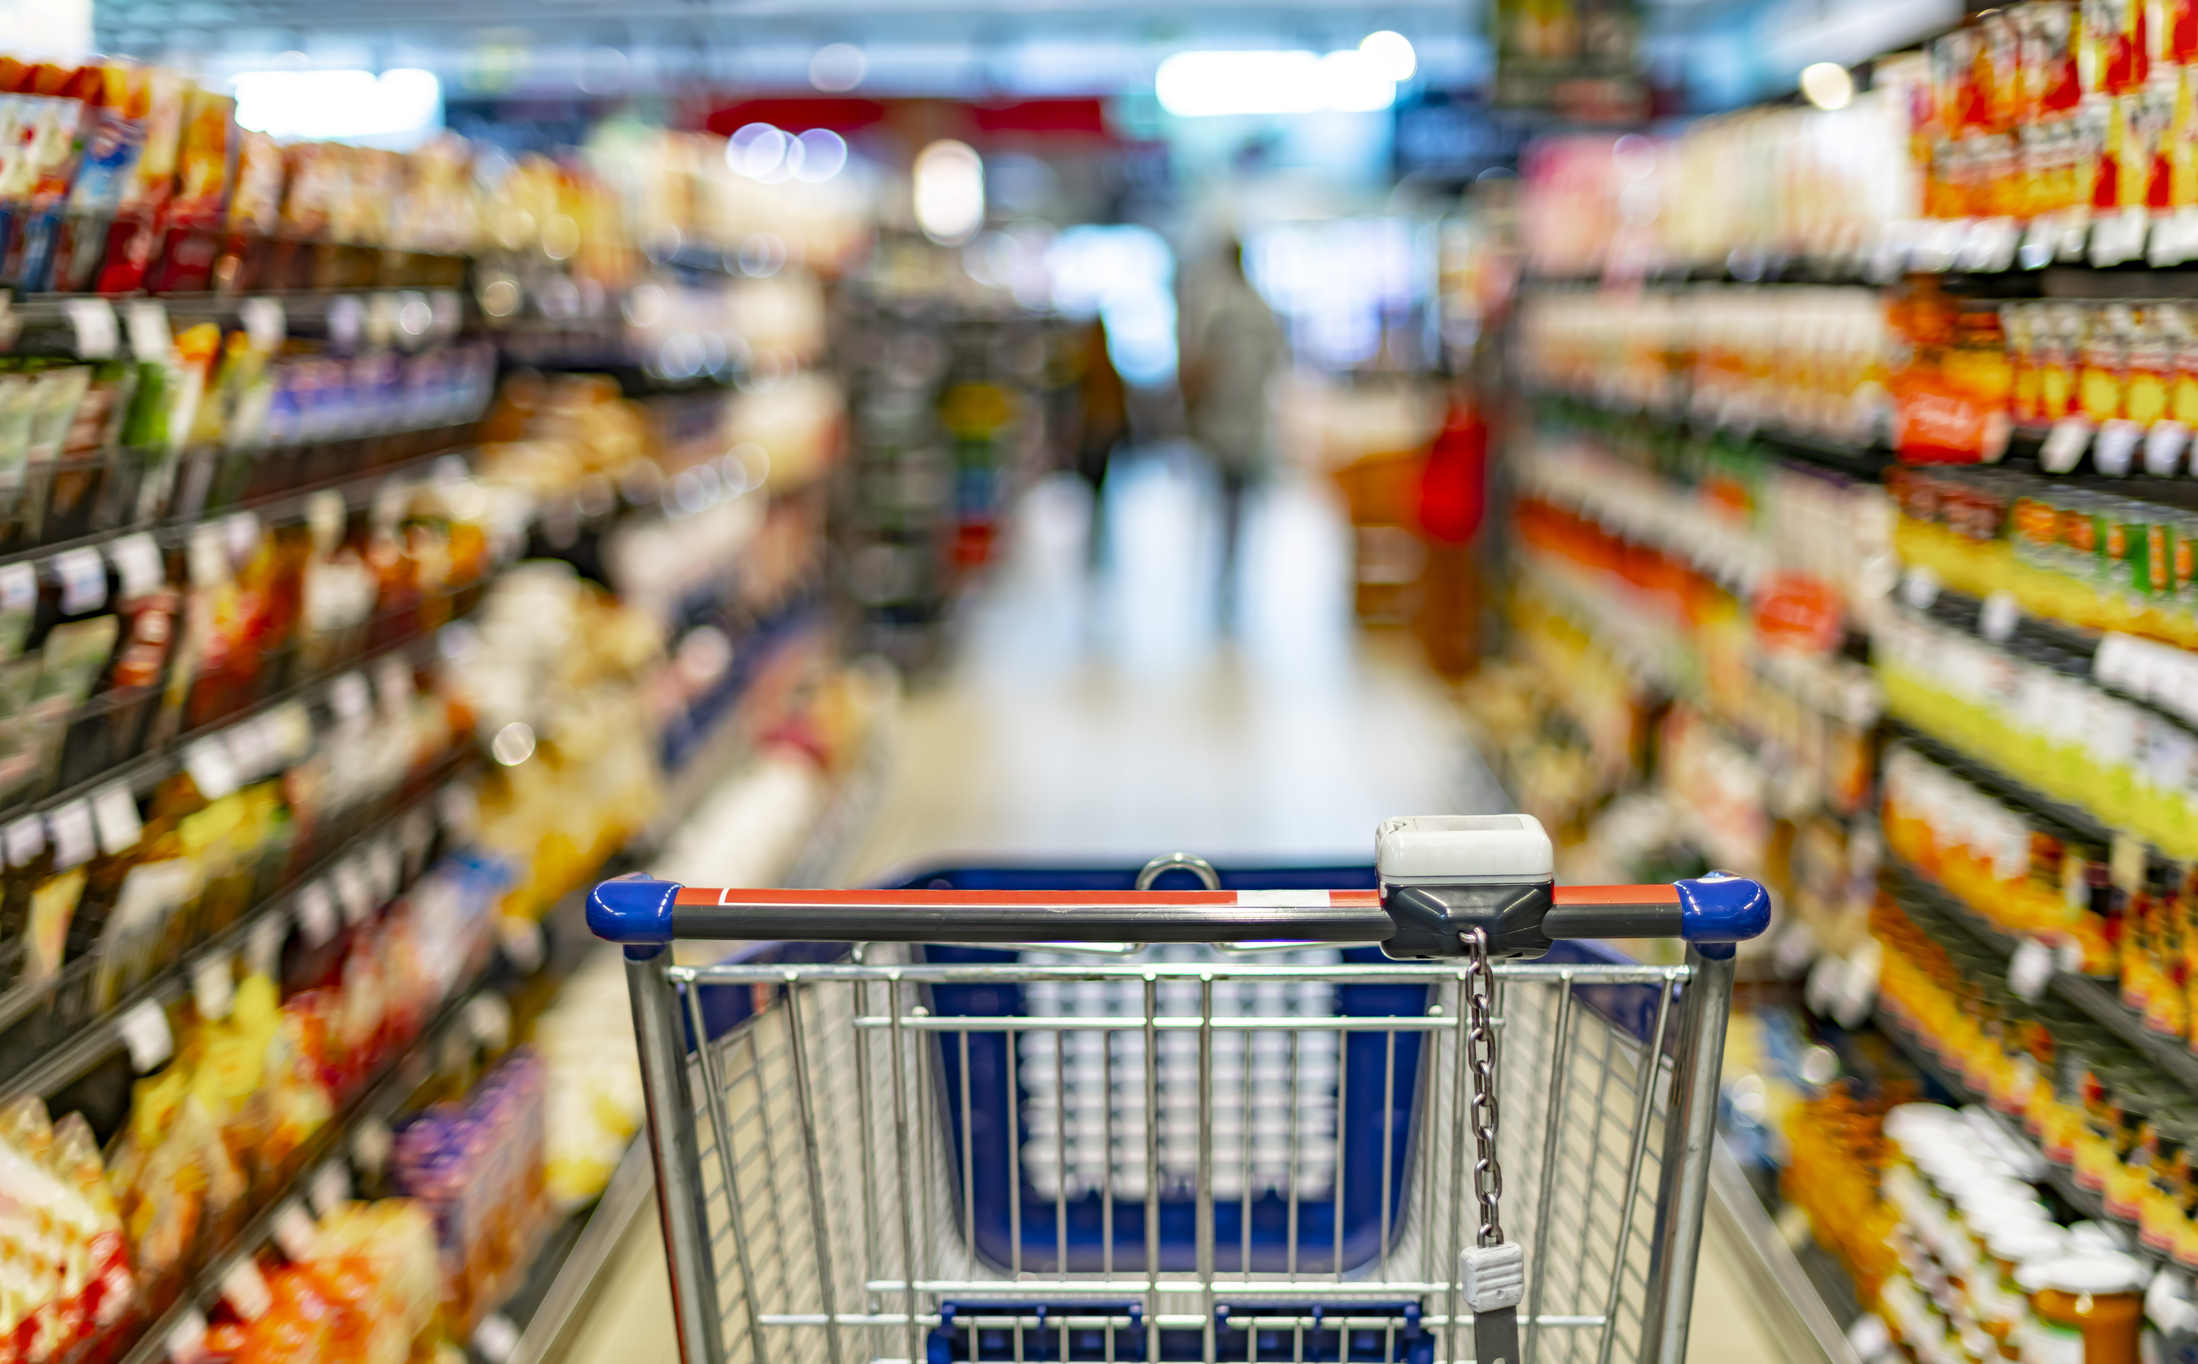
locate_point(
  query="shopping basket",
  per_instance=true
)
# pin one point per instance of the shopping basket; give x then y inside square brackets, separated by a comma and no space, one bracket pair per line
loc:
[1070,1121]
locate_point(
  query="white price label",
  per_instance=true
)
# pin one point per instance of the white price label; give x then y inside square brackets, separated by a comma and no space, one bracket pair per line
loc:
[458,807]
[1856,994]
[264,322]
[18,587]
[186,1340]
[386,866]
[137,564]
[97,330]
[146,1036]
[1869,1338]
[244,1288]
[331,1187]
[354,891]
[1919,587]
[2115,450]
[2030,970]
[488,1020]
[207,557]
[316,913]
[522,941]
[211,768]
[1997,620]
[263,948]
[2065,445]
[349,697]
[393,683]
[241,530]
[294,1231]
[289,731]
[495,1338]
[213,985]
[2164,445]
[150,340]
[71,828]
[371,1144]
[83,581]
[250,751]
[24,840]
[114,812]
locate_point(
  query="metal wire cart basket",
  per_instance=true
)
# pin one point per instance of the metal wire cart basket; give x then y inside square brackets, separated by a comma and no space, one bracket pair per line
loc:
[1061,1116]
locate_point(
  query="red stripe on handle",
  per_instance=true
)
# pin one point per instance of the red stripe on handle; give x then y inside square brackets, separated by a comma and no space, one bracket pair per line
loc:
[1008,899]
[1563,896]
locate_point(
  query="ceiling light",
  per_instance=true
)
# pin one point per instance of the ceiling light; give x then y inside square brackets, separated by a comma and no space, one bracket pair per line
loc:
[949,192]
[1827,85]
[1201,84]
[339,105]
[1391,53]
[838,66]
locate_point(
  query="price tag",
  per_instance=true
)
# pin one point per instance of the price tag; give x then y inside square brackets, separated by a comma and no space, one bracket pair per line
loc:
[18,587]
[264,322]
[150,340]
[1998,618]
[114,813]
[370,1144]
[245,1289]
[1869,1338]
[289,732]
[349,697]
[495,1338]
[211,768]
[1856,993]
[488,1020]
[186,1340]
[459,808]
[346,320]
[2030,970]
[354,891]
[213,985]
[207,555]
[2127,863]
[2115,450]
[249,750]
[1795,949]
[393,683]
[522,942]
[386,866]
[316,913]
[1919,587]
[83,581]
[97,331]
[24,840]
[241,530]
[145,1035]
[294,1231]
[263,948]
[331,1187]
[2164,445]
[71,828]
[137,563]
[2065,445]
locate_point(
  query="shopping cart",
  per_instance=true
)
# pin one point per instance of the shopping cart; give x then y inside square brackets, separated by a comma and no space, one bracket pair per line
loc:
[1073,1122]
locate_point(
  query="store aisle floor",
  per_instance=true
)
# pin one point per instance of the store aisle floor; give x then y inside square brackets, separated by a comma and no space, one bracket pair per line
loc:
[1108,718]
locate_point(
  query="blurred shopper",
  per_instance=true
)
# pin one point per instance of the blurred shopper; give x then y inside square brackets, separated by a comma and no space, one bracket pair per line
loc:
[1230,351]
[1102,423]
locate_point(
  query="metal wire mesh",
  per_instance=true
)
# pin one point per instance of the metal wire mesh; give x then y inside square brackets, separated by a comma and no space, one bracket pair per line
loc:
[839,1131]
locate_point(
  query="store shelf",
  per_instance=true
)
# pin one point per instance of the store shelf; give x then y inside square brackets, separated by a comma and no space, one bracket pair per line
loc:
[2062,1180]
[1866,463]
[2098,1000]
[2011,790]
[57,1067]
[384,1098]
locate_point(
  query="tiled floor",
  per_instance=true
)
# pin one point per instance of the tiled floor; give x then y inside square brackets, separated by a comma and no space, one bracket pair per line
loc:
[1106,720]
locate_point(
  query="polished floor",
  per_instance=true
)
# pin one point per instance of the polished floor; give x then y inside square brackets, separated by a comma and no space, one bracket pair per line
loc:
[1106,717]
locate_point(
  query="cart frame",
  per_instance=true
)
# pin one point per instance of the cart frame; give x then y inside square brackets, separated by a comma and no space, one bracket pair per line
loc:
[847,1040]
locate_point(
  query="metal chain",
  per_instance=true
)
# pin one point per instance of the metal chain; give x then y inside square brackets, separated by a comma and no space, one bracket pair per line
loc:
[1480,1055]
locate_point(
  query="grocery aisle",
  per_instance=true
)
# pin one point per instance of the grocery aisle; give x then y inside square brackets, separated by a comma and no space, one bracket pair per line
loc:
[1108,718]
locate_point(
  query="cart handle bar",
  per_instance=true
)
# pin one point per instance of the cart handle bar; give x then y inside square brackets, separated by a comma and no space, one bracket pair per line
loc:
[640,912]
